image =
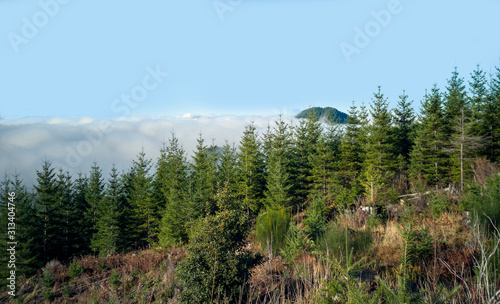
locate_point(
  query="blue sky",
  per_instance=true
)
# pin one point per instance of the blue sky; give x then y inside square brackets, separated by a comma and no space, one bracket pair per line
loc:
[148,68]
[262,57]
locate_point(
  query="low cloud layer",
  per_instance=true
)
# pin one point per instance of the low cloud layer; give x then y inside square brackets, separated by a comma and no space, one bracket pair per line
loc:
[74,144]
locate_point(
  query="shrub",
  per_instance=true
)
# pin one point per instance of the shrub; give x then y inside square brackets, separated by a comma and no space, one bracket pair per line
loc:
[114,280]
[217,264]
[272,228]
[296,243]
[484,202]
[75,269]
[339,239]
[315,223]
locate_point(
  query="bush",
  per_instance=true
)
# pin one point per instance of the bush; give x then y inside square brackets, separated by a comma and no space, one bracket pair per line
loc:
[114,280]
[339,239]
[272,228]
[217,265]
[75,269]
[315,223]
[296,244]
[484,202]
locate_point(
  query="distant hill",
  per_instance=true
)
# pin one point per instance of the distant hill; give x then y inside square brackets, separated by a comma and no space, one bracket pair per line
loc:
[328,113]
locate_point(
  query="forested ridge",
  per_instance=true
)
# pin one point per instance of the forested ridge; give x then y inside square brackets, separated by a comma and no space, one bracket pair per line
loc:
[295,200]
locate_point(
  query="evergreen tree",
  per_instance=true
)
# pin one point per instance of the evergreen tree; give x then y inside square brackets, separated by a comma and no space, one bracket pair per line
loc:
[228,169]
[491,118]
[324,176]
[351,151]
[105,240]
[306,137]
[252,180]
[427,159]
[81,226]
[174,181]
[278,177]
[65,209]
[203,180]
[24,228]
[48,212]
[455,100]
[145,209]
[93,197]
[380,147]
[404,119]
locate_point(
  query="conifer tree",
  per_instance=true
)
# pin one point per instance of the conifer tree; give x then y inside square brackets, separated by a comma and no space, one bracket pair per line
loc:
[427,158]
[105,239]
[457,111]
[65,213]
[307,134]
[49,214]
[251,180]
[144,208]
[404,125]
[174,185]
[93,197]
[491,118]
[380,147]
[203,180]
[324,176]
[82,228]
[278,177]
[351,151]
[228,169]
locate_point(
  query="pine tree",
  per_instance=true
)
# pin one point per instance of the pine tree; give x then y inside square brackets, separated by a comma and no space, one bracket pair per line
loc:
[145,210]
[456,107]
[491,125]
[203,180]
[380,147]
[324,177]
[351,151]
[24,228]
[64,206]
[80,223]
[278,177]
[252,180]
[47,203]
[404,119]
[105,240]
[427,159]
[93,197]
[228,169]
[307,134]
[174,185]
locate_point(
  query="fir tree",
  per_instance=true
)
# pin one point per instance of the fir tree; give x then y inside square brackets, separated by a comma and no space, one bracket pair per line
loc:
[404,125]
[105,240]
[93,197]
[380,147]
[174,185]
[427,159]
[82,227]
[278,177]
[306,137]
[251,180]
[145,209]
[228,169]
[203,180]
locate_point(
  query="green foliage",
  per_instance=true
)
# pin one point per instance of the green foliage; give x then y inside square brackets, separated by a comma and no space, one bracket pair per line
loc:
[484,202]
[315,223]
[114,279]
[75,269]
[439,204]
[272,228]
[217,265]
[172,181]
[339,239]
[297,243]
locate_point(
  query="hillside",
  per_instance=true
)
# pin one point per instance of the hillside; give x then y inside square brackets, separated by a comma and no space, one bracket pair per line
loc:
[328,113]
